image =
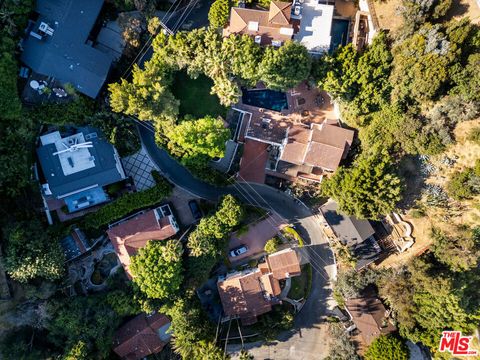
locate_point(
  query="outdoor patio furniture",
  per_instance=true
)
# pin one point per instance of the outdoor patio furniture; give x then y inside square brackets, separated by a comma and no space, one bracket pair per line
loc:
[34,84]
[59,92]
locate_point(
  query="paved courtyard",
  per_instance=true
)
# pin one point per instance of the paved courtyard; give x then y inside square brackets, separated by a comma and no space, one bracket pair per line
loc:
[257,236]
[139,167]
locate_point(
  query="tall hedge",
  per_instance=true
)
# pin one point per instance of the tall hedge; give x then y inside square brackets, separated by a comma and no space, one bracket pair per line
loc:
[127,204]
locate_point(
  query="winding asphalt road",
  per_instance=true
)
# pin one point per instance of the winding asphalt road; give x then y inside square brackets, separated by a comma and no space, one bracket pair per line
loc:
[308,340]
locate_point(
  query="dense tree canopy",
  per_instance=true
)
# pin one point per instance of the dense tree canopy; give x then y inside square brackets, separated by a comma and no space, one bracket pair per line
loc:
[205,136]
[207,241]
[387,347]
[368,189]
[80,323]
[427,299]
[285,67]
[459,253]
[32,253]
[219,13]
[157,269]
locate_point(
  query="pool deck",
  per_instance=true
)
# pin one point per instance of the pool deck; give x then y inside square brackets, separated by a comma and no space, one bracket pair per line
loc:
[305,106]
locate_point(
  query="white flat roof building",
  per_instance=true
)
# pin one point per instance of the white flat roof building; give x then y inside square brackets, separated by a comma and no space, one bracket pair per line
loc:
[315,26]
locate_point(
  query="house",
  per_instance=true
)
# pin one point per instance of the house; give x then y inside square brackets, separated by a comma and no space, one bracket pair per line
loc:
[253,292]
[75,167]
[370,317]
[313,23]
[356,234]
[267,27]
[298,150]
[58,44]
[142,336]
[315,31]
[133,233]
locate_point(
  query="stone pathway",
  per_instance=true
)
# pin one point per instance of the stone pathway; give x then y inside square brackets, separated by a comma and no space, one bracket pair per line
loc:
[139,167]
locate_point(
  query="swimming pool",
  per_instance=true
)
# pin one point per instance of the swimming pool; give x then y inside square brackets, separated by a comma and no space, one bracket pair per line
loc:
[268,99]
[339,33]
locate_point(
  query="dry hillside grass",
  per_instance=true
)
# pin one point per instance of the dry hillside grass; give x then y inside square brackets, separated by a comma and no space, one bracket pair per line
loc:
[458,212]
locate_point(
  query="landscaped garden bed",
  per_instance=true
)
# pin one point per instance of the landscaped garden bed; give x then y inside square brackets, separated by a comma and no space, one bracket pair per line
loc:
[301,285]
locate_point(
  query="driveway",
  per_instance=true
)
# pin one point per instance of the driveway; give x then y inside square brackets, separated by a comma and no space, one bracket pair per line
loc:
[308,340]
[257,236]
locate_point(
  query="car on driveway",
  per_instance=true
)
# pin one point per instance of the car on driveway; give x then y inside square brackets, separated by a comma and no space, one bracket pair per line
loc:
[238,251]
[195,209]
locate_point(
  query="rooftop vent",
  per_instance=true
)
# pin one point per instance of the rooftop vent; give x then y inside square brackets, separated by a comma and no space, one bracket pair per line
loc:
[45,29]
[253,26]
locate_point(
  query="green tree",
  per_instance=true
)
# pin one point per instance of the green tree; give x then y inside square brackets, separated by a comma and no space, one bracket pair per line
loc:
[368,189]
[467,80]
[205,136]
[219,13]
[245,56]
[32,253]
[463,184]
[427,299]
[474,135]
[148,96]
[79,351]
[285,67]
[417,12]
[387,347]
[272,245]
[459,253]
[230,212]
[157,269]
[89,320]
[189,327]
[341,348]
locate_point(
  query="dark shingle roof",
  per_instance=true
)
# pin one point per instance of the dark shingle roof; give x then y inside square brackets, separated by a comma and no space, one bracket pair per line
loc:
[352,232]
[65,55]
[104,172]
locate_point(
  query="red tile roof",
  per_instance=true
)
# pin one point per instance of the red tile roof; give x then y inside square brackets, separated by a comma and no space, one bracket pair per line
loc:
[283,264]
[139,337]
[133,234]
[321,146]
[242,294]
[254,160]
[269,22]
[368,313]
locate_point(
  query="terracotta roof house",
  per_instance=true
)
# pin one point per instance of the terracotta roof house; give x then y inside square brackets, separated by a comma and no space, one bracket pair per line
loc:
[356,234]
[370,317]
[133,233]
[300,151]
[252,292]
[75,166]
[267,27]
[282,264]
[142,336]
[247,295]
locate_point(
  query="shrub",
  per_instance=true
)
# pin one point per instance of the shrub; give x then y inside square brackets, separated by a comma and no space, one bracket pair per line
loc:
[474,135]
[127,204]
[387,347]
[460,185]
[272,245]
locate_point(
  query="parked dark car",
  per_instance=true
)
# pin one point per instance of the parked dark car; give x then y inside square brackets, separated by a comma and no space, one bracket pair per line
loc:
[195,209]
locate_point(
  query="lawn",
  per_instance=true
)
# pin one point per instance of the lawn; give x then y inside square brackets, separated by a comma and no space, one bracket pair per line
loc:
[302,284]
[195,98]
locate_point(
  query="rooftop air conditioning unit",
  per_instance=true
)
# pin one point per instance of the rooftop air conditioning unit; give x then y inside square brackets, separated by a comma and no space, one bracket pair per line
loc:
[276,43]
[258,39]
